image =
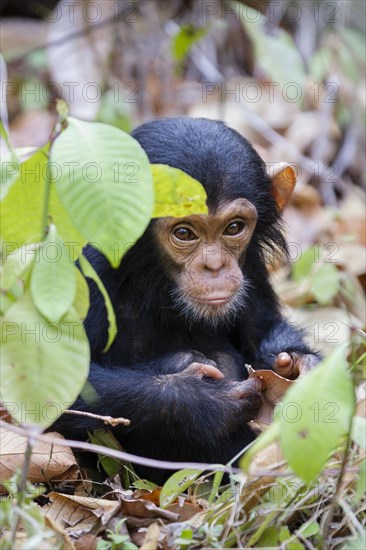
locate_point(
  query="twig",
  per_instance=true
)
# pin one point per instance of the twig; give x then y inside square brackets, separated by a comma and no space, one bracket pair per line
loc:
[109,420]
[120,455]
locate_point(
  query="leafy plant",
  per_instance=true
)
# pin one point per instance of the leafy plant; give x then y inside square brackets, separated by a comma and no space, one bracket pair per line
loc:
[92,183]
[115,540]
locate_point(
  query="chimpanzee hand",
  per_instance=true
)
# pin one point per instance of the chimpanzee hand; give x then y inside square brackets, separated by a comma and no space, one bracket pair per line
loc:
[292,365]
[241,399]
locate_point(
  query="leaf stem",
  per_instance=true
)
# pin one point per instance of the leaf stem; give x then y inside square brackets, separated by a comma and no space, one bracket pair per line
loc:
[46,202]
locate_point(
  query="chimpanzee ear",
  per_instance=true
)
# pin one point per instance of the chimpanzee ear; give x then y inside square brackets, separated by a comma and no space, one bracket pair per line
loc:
[283,183]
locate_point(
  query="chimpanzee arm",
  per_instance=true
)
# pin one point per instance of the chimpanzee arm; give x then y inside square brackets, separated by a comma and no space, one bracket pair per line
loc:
[284,337]
[174,414]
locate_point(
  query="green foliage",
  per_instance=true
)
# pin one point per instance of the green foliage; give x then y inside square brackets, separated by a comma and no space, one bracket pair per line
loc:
[95,184]
[116,540]
[176,484]
[315,415]
[44,365]
[275,53]
[324,278]
[20,505]
[53,280]
[108,191]
[304,265]
[356,543]
[325,284]
[22,209]
[176,193]
[89,272]
[183,41]
[81,301]
[116,113]
[313,418]
[104,437]
[361,483]
[9,169]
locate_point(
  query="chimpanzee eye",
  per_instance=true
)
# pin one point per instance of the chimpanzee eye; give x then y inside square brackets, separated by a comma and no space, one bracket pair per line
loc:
[184,234]
[234,228]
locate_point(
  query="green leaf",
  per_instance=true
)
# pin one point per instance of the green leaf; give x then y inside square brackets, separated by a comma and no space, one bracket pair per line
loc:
[304,265]
[144,484]
[356,543]
[309,529]
[266,438]
[252,542]
[53,280]
[276,52]
[81,302]
[90,272]
[107,186]
[176,193]
[355,41]
[21,210]
[269,537]
[315,414]
[115,113]
[325,283]
[358,433]
[176,484]
[186,37]
[44,365]
[9,168]
[9,171]
[320,63]
[105,438]
[15,265]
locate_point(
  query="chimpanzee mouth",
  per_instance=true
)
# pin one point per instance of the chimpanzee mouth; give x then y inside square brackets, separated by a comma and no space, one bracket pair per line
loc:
[216,301]
[213,311]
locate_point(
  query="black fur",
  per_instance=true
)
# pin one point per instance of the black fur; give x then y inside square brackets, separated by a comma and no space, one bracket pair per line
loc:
[185,418]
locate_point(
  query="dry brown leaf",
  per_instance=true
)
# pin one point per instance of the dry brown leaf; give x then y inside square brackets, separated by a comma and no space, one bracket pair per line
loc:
[351,219]
[67,543]
[48,462]
[144,509]
[151,496]
[86,542]
[80,515]
[4,415]
[185,509]
[353,257]
[275,385]
[151,541]
[306,198]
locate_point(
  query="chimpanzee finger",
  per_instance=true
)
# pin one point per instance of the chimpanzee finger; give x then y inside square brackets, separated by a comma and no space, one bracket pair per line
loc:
[293,365]
[252,386]
[285,365]
[201,370]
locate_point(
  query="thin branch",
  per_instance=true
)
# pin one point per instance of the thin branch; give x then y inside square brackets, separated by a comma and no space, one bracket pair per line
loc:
[120,455]
[109,420]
